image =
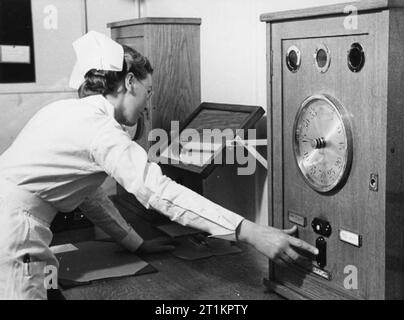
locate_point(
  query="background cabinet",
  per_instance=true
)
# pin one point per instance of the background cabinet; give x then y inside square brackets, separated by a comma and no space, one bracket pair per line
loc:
[173,47]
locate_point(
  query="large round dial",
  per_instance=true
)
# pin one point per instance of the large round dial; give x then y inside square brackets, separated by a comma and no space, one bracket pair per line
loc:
[323,143]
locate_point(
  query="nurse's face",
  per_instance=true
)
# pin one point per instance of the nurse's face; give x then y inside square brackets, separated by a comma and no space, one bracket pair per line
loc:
[135,99]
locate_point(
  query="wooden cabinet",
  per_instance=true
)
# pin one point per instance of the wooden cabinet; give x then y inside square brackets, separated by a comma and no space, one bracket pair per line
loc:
[173,47]
[345,189]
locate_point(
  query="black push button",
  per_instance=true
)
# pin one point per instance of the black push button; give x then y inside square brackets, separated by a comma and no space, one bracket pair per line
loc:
[321,227]
[321,258]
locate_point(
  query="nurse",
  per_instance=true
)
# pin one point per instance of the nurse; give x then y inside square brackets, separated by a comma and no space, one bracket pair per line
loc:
[63,155]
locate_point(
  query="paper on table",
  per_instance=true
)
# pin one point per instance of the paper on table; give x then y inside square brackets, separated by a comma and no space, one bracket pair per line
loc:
[63,248]
[189,156]
[97,260]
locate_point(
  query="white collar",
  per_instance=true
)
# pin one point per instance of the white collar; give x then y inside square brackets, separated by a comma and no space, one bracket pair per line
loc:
[101,102]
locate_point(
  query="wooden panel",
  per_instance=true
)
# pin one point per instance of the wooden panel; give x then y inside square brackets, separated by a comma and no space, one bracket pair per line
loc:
[131,31]
[395,166]
[236,196]
[337,9]
[174,50]
[134,43]
[355,207]
[155,20]
[270,148]
[350,208]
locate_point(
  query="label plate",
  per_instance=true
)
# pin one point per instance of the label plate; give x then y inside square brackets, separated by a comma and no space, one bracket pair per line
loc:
[350,238]
[322,273]
[295,218]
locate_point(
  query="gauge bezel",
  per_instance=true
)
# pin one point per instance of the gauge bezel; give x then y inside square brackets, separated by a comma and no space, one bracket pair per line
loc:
[298,62]
[328,62]
[346,123]
[358,68]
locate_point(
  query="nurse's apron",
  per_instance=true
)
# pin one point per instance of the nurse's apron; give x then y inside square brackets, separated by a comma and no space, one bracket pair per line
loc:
[25,237]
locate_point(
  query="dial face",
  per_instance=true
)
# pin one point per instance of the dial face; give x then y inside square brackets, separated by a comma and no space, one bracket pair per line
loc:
[323,143]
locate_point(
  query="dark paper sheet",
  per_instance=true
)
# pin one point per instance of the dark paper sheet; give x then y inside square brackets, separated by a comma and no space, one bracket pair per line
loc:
[175,230]
[84,262]
[199,247]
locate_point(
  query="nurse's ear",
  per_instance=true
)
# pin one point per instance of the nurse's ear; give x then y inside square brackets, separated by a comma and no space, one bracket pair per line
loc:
[130,80]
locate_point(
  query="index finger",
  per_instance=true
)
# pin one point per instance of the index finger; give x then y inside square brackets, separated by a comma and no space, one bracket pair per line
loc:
[303,245]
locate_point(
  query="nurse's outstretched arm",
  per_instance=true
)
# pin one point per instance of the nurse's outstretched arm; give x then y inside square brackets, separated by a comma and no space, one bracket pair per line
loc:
[128,164]
[101,211]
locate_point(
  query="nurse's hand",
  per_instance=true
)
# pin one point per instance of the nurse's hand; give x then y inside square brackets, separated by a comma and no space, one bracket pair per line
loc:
[279,246]
[157,245]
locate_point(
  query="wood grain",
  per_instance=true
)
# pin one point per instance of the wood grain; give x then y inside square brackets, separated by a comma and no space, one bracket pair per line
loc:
[337,9]
[394,167]
[155,20]
[173,47]
[373,97]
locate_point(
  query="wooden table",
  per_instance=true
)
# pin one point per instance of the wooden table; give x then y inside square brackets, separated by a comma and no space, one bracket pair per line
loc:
[231,277]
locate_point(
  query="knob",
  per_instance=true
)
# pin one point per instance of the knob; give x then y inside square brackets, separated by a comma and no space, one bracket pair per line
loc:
[321,227]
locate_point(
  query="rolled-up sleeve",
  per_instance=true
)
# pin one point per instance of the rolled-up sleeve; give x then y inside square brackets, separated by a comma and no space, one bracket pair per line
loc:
[100,210]
[127,162]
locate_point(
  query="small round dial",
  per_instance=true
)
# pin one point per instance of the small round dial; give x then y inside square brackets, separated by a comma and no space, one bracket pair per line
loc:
[323,143]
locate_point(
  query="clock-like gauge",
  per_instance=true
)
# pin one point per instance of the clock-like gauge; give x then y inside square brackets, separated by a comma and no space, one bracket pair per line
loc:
[322,142]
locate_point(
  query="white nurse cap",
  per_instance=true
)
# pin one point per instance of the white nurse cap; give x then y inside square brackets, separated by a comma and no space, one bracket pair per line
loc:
[95,50]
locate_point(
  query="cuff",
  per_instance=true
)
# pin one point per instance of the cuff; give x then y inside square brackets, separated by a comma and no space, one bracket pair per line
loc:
[132,241]
[232,234]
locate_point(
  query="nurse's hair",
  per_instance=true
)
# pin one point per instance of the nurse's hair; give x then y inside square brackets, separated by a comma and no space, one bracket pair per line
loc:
[107,82]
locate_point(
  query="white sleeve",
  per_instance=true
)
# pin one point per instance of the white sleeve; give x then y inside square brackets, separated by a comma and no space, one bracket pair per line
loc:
[101,211]
[127,162]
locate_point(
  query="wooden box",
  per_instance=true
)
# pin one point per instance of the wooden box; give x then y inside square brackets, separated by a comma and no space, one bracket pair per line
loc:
[335,128]
[173,47]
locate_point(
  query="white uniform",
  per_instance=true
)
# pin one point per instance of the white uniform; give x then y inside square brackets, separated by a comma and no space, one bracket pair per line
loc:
[57,163]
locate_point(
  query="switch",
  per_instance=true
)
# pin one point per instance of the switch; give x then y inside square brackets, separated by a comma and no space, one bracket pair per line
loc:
[321,258]
[321,227]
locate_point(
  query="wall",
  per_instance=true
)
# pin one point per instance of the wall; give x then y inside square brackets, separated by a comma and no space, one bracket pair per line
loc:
[233,62]
[56,24]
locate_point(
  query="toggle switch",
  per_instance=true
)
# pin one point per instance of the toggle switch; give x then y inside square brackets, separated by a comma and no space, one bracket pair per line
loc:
[321,258]
[321,227]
